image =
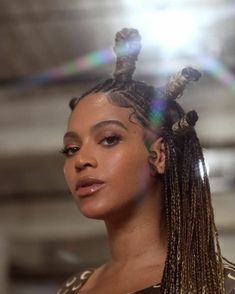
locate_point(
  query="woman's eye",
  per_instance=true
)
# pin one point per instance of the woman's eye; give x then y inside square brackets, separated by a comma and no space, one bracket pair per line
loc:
[69,151]
[110,140]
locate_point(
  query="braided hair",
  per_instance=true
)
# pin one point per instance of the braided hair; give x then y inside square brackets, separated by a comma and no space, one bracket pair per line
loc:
[194,262]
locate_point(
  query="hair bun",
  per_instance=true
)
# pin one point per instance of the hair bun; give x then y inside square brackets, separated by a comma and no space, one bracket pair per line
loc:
[175,87]
[127,48]
[186,123]
[191,118]
[191,74]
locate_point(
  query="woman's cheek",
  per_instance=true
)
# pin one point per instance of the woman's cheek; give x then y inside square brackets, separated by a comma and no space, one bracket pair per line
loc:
[128,166]
[68,174]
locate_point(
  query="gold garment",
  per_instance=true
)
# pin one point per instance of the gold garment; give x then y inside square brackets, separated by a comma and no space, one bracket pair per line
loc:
[75,283]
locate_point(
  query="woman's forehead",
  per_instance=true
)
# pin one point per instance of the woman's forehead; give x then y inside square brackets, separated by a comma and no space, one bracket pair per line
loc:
[97,107]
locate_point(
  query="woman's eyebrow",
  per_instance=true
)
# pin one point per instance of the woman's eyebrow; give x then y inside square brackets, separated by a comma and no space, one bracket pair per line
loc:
[108,122]
[72,135]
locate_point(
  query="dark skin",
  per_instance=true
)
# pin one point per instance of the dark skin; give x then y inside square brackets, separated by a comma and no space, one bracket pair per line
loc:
[103,143]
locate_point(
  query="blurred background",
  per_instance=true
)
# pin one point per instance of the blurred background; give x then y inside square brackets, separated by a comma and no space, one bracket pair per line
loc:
[53,50]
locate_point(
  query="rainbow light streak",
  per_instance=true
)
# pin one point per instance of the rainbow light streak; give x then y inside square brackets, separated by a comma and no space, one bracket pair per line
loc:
[79,65]
[156,116]
[219,70]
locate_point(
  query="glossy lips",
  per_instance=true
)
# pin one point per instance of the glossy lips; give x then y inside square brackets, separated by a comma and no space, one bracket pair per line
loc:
[87,186]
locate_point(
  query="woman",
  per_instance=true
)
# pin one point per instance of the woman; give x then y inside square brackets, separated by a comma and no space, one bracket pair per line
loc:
[133,160]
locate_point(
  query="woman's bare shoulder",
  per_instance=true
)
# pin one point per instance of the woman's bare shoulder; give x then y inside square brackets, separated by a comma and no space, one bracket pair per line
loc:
[75,282]
[229,278]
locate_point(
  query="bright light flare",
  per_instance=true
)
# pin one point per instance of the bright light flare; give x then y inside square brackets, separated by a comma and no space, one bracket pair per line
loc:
[173,30]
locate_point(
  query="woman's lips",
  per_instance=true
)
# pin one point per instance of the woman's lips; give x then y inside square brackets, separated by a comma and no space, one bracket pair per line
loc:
[88,190]
[88,186]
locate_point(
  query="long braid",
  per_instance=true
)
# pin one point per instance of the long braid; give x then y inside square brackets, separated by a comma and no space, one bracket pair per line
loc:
[197,224]
[194,262]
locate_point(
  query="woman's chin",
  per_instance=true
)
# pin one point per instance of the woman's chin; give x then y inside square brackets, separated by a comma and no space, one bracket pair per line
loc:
[94,210]
[93,215]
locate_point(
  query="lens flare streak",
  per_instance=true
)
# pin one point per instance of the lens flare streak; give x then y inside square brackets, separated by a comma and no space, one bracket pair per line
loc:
[218,70]
[79,65]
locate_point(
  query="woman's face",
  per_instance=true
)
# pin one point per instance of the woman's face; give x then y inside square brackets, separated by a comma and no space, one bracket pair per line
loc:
[106,166]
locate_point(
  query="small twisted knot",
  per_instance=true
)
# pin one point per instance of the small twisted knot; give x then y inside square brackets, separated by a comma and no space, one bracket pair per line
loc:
[127,48]
[191,74]
[177,84]
[186,123]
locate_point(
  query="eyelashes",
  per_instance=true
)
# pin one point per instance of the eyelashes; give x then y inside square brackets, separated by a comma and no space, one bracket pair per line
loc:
[69,151]
[107,141]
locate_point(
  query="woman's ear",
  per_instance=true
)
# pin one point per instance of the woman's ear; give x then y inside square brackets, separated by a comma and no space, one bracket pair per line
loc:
[157,156]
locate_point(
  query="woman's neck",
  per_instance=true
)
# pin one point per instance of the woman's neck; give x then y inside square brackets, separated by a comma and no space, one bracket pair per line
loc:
[137,235]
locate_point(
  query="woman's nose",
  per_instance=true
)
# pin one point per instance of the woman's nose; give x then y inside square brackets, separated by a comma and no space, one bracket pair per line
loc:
[84,159]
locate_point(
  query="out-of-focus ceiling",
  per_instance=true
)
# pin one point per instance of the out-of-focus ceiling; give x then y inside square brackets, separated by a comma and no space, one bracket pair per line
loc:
[54,41]
[53,50]
[39,35]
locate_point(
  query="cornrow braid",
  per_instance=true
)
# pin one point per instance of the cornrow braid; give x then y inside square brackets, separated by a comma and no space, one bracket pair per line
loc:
[194,262]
